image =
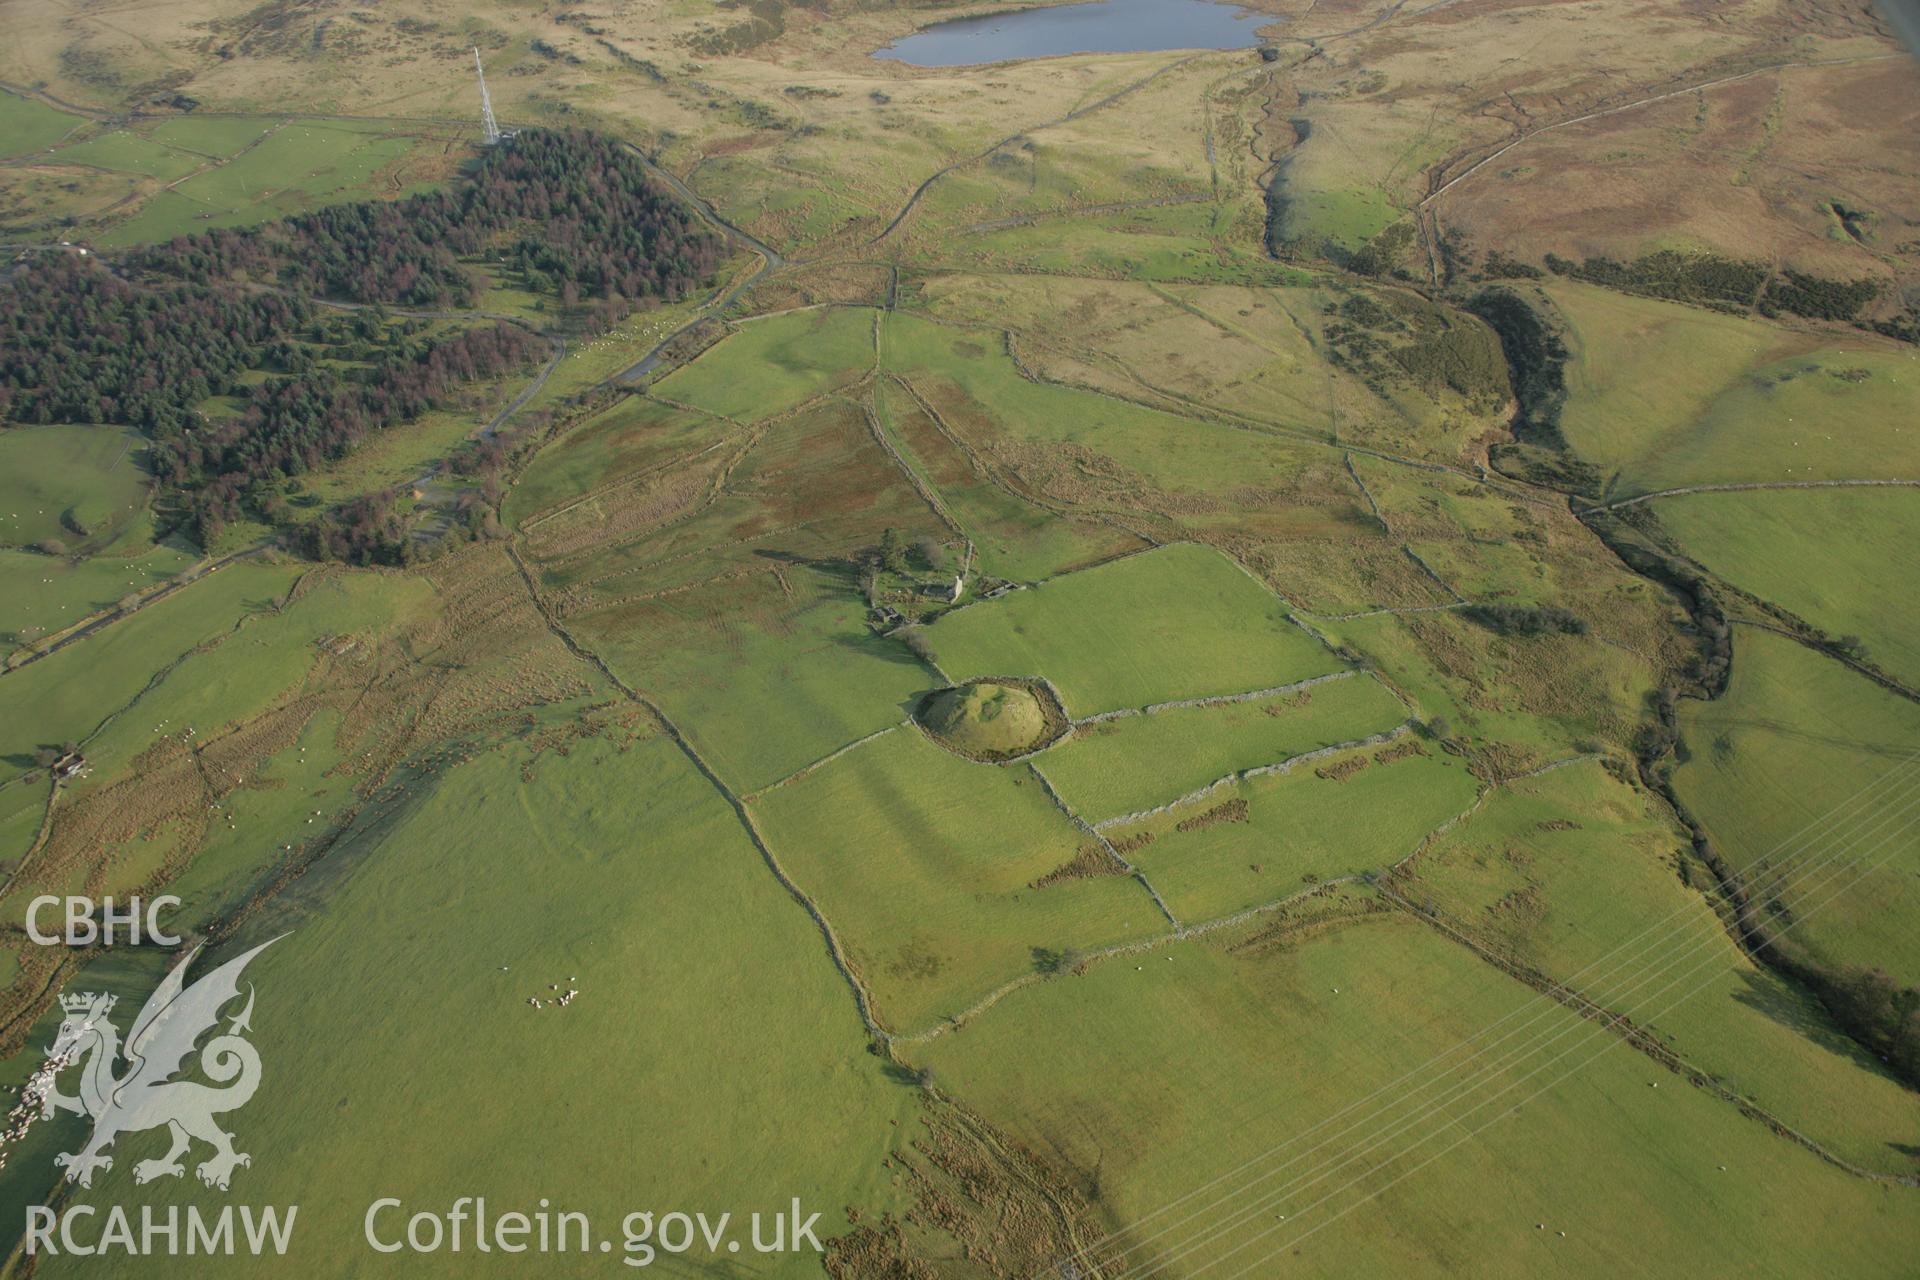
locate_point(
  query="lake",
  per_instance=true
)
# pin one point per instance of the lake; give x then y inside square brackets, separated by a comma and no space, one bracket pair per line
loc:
[1109,26]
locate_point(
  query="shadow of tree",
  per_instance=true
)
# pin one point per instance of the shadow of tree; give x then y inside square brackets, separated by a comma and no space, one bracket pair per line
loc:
[1787,1005]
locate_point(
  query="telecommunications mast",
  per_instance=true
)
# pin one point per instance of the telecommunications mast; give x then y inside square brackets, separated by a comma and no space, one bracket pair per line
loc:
[487,123]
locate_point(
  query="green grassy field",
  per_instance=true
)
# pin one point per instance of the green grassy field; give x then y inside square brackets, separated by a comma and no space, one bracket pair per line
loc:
[1748,404]
[633,436]
[774,364]
[212,135]
[227,669]
[128,152]
[519,851]
[75,693]
[1251,351]
[76,484]
[1179,622]
[256,169]
[1098,329]
[1014,536]
[27,124]
[1540,697]
[1202,1072]
[1574,875]
[1626,394]
[76,534]
[1823,416]
[928,864]
[1802,776]
[593,360]
[1840,558]
[1073,247]
[767,682]
[190,173]
[1126,765]
[46,594]
[1270,837]
[1142,449]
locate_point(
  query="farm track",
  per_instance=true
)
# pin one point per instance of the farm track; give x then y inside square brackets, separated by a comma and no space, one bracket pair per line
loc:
[913,200]
[493,425]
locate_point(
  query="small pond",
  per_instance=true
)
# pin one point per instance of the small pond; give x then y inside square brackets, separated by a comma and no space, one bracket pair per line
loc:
[1108,26]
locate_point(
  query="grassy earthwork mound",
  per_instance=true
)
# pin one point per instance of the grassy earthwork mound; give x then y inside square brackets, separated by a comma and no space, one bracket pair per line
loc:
[993,719]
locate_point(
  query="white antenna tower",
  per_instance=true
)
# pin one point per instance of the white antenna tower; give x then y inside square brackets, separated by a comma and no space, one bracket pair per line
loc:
[487,123]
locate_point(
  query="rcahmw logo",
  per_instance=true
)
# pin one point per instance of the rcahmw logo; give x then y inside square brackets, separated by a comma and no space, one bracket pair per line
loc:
[145,1096]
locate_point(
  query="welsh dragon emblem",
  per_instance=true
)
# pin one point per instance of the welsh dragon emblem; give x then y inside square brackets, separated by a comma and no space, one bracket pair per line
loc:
[145,1095]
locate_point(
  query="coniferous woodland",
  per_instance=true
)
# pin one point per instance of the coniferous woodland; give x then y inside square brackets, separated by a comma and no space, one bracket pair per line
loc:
[77,344]
[295,424]
[150,340]
[590,227]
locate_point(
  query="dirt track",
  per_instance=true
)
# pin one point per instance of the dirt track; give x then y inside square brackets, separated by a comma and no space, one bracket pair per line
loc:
[770,260]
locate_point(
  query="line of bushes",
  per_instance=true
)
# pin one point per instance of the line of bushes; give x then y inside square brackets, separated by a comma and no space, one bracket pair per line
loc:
[1723,283]
[1527,619]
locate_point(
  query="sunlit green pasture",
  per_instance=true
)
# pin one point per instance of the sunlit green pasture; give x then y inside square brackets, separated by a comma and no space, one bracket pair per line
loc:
[27,124]
[774,364]
[1136,762]
[1803,775]
[1177,622]
[928,863]
[1576,876]
[765,682]
[1843,559]
[1266,838]
[1664,396]
[1235,1101]
[728,995]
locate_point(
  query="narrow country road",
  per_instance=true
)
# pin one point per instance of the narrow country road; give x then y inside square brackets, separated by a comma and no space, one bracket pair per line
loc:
[770,260]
